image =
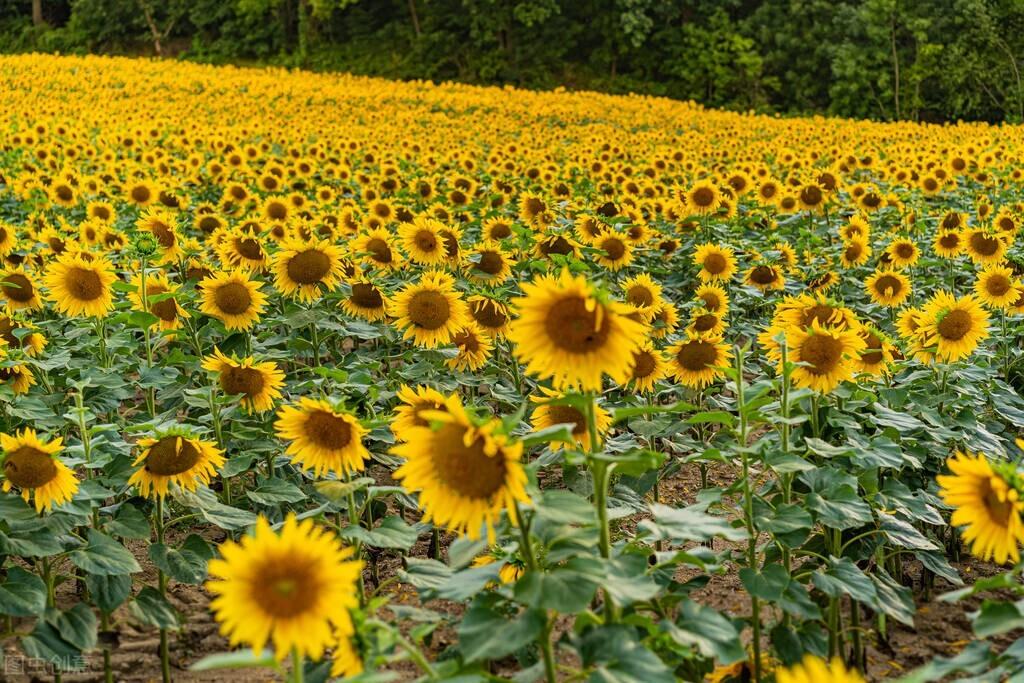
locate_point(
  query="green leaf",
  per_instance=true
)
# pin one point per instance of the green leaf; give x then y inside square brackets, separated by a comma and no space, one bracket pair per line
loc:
[839,507]
[486,632]
[103,555]
[130,522]
[46,643]
[559,506]
[109,592]
[152,609]
[996,617]
[617,656]
[707,630]
[625,578]
[899,421]
[559,433]
[691,523]
[393,532]
[904,534]
[768,584]
[567,589]
[712,417]
[242,659]
[187,565]
[215,512]
[842,576]
[22,594]
[338,491]
[76,626]
[275,492]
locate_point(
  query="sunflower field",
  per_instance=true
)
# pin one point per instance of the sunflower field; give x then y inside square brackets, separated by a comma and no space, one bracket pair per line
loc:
[313,377]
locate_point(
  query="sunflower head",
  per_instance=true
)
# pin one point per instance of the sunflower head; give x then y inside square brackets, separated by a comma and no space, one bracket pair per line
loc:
[174,456]
[31,465]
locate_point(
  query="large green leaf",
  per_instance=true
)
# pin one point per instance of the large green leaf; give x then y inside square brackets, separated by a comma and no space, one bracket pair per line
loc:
[22,594]
[488,632]
[103,555]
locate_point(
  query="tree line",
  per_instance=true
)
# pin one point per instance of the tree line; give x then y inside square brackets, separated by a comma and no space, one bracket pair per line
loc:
[880,59]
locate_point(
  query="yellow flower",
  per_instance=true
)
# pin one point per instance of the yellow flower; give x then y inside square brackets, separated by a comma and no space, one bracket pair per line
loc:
[292,588]
[305,269]
[549,412]
[717,263]
[826,356]
[954,327]
[565,333]
[986,504]
[322,438]
[32,465]
[697,361]
[430,311]
[233,298]
[814,670]
[259,384]
[466,474]
[174,457]
[79,286]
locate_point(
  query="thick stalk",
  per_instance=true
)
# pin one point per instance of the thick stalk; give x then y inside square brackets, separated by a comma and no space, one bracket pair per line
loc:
[601,471]
[748,513]
[150,392]
[298,673]
[544,639]
[158,523]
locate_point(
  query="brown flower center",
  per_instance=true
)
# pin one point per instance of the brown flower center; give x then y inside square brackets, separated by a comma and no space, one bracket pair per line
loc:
[379,250]
[823,352]
[309,267]
[984,245]
[83,284]
[997,285]
[29,468]
[490,263]
[703,197]
[327,430]
[955,325]
[429,310]
[171,455]
[697,355]
[705,322]
[715,263]
[640,296]
[366,295]
[888,285]
[239,380]
[285,586]
[488,313]
[467,470]
[233,298]
[614,248]
[763,275]
[643,364]
[570,326]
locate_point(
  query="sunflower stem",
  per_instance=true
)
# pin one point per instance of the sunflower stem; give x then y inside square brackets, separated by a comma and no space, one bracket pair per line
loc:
[748,512]
[786,479]
[354,519]
[158,524]
[601,472]
[544,639]
[83,432]
[108,671]
[298,673]
[151,391]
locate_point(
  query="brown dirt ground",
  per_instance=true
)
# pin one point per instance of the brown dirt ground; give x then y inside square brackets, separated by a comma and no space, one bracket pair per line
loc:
[940,629]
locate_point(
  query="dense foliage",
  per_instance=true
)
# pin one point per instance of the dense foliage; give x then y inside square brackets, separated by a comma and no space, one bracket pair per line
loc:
[389,380]
[880,59]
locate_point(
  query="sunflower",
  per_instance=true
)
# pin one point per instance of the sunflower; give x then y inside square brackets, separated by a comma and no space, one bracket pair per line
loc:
[423,242]
[987,504]
[176,457]
[534,211]
[413,402]
[141,192]
[888,287]
[984,248]
[717,263]
[665,321]
[345,660]
[765,277]
[32,465]
[909,324]
[430,310]
[566,333]
[698,360]
[877,354]
[323,439]
[163,226]
[490,314]
[713,298]
[233,298]
[365,300]
[948,243]
[23,334]
[496,229]
[18,375]
[644,293]
[855,253]
[160,297]
[259,384]
[79,286]
[703,198]
[489,263]
[377,247]
[239,249]
[954,327]
[292,588]
[997,287]
[704,322]
[903,253]
[857,228]
[814,670]
[614,251]
[8,238]
[474,346]
[465,473]
[303,269]
[551,410]
[825,356]
[649,367]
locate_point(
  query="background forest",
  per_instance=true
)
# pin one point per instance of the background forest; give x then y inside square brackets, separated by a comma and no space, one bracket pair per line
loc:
[882,59]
